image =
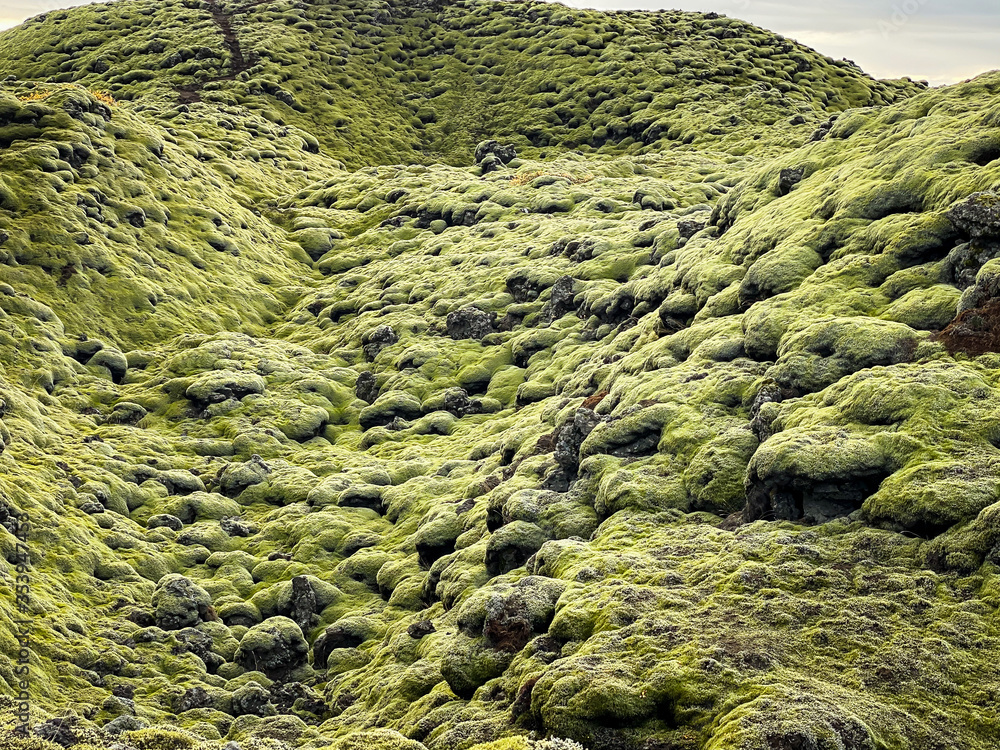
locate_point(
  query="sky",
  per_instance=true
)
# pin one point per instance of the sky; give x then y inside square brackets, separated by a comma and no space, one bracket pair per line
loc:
[939,41]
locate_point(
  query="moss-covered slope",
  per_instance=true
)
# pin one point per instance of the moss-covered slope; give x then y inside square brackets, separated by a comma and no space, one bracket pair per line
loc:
[348,434]
[381,82]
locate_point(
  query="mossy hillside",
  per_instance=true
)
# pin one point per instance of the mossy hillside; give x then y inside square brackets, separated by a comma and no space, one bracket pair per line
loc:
[383,82]
[460,470]
[103,215]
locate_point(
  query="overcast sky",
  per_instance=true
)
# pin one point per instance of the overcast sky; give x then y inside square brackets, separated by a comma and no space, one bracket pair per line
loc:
[941,41]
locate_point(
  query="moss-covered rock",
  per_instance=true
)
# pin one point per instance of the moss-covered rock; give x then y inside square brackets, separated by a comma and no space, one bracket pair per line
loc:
[275,646]
[180,603]
[449,376]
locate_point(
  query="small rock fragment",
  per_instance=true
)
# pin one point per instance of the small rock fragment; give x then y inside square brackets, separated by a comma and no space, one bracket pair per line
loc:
[420,629]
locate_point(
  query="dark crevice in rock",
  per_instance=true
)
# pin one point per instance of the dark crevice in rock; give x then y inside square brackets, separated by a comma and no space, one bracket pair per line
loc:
[810,500]
[429,552]
[570,436]
[338,635]
[363,496]
[986,155]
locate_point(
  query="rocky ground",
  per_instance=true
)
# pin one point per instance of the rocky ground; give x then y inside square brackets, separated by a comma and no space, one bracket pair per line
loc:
[490,375]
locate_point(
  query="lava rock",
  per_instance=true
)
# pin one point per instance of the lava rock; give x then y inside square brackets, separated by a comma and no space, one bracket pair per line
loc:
[978,216]
[302,698]
[503,154]
[345,633]
[196,697]
[510,546]
[785,481]
[789,178]
[470,323]
[375,341]
[136,217]
[490,163]
[570,436]
[510,619]
[822,131]
[141,617]
[222,385]
[59,730]
[366,387]
[561,300]
[164,520]
[9,518]
[236,526]
[304,606]
[274,646]
[127,413]
[436,538]
[194,641]
[252,700]
[770,392]
[688,228]
[179,602]
[419,629]
[237,477]
[389,406]
[457,401]
[524,287]
[963,262]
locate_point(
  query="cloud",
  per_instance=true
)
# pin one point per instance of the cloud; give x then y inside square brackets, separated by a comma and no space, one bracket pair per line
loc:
[923,47]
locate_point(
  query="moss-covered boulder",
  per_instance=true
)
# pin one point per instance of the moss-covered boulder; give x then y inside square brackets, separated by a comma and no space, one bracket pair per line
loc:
[274,646]
[180,603]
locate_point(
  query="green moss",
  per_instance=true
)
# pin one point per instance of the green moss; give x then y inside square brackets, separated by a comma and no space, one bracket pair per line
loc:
[272,646]
[383,738]
[470,663]
[707,478]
